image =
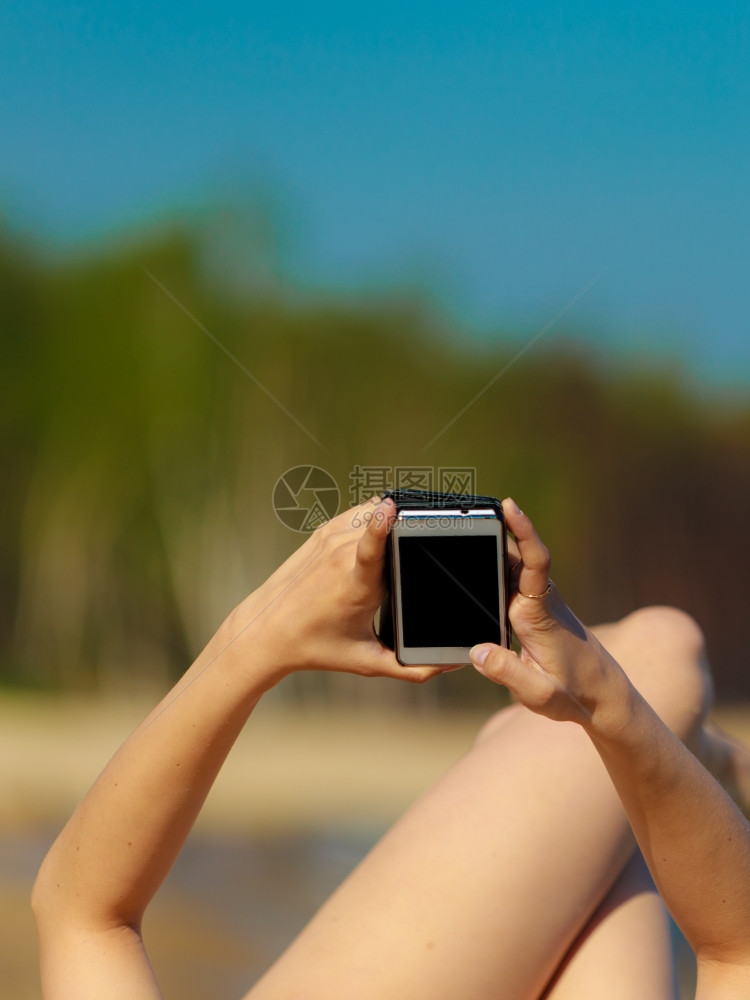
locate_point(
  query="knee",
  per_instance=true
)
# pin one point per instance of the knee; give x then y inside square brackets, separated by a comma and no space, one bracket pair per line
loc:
[496,722]
[663,652]
[667,630]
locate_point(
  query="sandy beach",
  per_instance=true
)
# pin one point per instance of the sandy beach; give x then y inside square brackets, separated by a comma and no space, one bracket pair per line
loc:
[300,798]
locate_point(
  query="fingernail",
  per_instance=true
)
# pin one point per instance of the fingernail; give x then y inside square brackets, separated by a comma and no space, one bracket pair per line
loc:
[479,654]
[383,513]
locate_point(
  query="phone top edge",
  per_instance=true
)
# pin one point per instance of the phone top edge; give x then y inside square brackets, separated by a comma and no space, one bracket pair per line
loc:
[456,512]
[419,500]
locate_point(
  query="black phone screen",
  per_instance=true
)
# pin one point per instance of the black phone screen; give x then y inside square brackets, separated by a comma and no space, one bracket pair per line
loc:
[450,591]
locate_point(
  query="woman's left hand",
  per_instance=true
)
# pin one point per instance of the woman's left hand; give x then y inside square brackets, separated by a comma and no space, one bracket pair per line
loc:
[316,612]
[562,671]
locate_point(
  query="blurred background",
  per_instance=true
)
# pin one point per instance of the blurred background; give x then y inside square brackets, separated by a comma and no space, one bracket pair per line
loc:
[237,240]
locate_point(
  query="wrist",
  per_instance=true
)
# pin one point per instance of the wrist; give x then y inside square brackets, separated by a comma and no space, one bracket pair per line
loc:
[615,701]
[246,646]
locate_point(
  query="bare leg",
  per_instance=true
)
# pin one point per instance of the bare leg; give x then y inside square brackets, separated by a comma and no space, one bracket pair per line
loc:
[663,653]
[624,952]
[725,757]
[481,889]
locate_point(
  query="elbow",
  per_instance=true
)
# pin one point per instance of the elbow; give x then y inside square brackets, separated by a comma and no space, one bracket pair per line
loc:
[46,896]
[722,957]
[64,898]
[56,899]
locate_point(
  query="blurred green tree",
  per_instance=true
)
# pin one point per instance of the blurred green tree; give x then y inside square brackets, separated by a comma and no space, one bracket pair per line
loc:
[149,409]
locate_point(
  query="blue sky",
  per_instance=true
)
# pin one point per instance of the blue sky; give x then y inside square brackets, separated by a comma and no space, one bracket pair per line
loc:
[500,155]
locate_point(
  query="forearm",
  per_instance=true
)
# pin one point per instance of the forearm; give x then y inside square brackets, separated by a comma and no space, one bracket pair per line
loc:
[695,842]
[126,833]
[314,613]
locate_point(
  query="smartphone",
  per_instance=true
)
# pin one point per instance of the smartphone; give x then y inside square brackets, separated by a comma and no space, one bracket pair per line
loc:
[447,580]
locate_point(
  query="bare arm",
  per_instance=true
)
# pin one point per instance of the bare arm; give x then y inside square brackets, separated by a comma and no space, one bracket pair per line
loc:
[695,841]
[315,612]
[123,838]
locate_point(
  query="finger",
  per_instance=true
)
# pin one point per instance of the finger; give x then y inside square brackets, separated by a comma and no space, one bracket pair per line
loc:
[505,667]
[418,675]
[494,662]
[377,660]
[534,574]
[369,560]
[352,518]
[513,550]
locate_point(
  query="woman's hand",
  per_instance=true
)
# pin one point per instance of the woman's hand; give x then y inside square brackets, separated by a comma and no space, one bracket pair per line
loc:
[562,671]
[316,611]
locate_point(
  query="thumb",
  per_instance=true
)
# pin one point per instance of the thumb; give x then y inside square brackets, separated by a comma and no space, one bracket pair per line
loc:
[370,557]
[503,666]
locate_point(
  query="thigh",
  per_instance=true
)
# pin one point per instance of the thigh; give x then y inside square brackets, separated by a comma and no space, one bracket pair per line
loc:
[625,951]
[481,888]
